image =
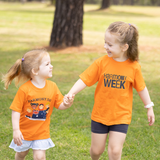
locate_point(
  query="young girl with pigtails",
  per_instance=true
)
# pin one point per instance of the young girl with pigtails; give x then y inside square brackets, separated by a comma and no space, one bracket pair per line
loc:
[33,104]
[117,73]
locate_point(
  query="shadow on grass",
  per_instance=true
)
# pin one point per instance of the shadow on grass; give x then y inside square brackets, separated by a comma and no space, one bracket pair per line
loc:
[100,12]
[110,12]
[27,11]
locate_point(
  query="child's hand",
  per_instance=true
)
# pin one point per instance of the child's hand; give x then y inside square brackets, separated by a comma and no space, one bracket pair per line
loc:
[68,100]
[151,117]
[17,137]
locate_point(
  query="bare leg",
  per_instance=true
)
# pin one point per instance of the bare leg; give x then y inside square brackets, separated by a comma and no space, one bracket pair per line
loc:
[97,145]
[39,154]
[115,145]
[21,155]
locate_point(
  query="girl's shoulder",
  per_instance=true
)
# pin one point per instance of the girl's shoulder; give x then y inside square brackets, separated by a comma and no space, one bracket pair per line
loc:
[25,85]
[135,64]
[102,59]
[52,84]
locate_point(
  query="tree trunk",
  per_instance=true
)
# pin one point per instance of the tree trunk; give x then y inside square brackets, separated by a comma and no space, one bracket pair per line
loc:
[116,2]
[105,4]
[67,24]
[125,2]
[153,2]
[132,2]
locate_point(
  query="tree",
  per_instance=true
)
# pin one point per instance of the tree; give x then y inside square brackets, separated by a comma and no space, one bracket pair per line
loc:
[125,2]
[67,24]
[115,2]
[105,4]
[153,2]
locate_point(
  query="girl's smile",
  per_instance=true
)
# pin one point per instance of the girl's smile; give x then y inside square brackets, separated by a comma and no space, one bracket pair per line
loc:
[114,48]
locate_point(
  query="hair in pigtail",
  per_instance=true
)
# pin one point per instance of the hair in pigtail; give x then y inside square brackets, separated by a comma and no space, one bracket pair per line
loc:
[22,69]
[12,73]
[133,51]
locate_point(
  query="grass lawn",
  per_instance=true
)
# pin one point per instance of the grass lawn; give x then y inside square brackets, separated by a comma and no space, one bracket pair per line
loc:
[28,26]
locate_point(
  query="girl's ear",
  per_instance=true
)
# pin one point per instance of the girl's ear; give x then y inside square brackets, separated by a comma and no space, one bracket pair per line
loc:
[34,72]
[125,47]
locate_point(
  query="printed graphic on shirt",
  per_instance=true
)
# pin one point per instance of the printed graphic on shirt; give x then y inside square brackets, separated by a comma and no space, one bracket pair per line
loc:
[37,111]
[114,81]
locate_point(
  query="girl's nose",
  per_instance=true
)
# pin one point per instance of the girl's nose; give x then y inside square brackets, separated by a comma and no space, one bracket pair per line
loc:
[105,46]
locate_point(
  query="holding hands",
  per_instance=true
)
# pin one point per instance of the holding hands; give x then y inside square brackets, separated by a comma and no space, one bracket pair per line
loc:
[68,100]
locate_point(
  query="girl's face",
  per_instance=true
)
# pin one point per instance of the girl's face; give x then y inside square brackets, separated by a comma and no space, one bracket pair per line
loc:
[45,69]
[114,48]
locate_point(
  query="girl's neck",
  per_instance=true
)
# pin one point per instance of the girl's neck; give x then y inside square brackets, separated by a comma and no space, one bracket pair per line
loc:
[39,83]
[120,59]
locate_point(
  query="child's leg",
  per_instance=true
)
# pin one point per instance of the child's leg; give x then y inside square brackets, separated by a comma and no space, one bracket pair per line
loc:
[115,145]
[21,155]
[39,154]
[97,145]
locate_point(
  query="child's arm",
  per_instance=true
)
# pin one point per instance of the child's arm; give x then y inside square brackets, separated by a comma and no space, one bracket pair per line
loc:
[77,87]
[17,135]
[144,95]
[68,99]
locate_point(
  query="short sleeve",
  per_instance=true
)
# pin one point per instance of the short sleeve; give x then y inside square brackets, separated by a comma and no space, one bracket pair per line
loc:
[90,75]
[18,101]
[58,98]
[139,83]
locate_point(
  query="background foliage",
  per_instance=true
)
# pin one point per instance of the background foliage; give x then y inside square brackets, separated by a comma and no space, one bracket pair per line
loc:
[127,2]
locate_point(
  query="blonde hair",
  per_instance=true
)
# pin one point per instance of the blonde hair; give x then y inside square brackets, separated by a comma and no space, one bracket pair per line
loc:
[22,69]
[126,33]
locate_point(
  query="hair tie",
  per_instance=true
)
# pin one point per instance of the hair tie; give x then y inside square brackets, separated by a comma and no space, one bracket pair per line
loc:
[129,24]
[22,59]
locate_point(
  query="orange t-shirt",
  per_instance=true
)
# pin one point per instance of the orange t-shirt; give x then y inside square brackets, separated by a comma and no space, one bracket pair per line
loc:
[35,106]
[114,91]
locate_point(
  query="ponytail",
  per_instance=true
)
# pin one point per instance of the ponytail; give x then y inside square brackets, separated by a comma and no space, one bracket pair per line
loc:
[12,73]
[22,69]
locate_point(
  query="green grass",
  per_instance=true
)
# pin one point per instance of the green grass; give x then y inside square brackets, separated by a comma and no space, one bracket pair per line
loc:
[24,27]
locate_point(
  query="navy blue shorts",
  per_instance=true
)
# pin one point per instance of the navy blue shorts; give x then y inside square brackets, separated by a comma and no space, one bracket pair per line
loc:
[102,129]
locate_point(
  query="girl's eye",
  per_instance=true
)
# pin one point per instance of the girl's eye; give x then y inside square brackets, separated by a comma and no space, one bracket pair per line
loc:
[107,44]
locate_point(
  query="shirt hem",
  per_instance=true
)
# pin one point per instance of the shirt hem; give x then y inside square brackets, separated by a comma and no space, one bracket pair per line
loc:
[110,123]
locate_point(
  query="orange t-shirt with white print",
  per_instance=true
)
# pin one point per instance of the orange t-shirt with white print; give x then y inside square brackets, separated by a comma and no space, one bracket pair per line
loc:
[114,91]
[35,106]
